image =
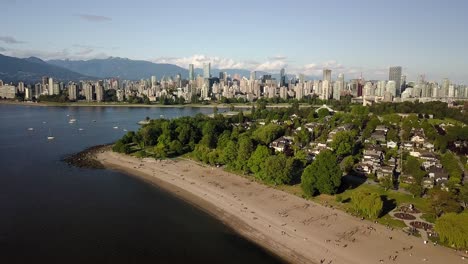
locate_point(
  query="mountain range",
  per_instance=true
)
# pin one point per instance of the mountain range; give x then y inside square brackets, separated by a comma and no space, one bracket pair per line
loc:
[32,69]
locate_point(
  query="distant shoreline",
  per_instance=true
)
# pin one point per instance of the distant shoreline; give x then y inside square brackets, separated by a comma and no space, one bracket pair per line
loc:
[298,230]
[82,104]
[113,104]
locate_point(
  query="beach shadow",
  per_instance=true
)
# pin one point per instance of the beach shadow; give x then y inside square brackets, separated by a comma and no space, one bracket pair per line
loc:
[388,205]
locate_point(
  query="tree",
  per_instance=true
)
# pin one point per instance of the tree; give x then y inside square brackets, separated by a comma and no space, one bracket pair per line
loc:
[463,195]
[243,153]
[322,176]
[450,163]
[229,154]
[413,167]
[256,162]
[453,230]
[392,135]
[275,170]
[303,137]
[343,143]
[387,182]
[267,133]
[367,204]
[323,113]
[347,164]
[442,202]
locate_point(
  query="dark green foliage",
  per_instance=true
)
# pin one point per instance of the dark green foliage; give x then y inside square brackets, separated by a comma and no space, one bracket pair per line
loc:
[322,176]
[443,202]
[450,163]
[347,164]
[256,162]
[267,133]
[413,167]
[343,143]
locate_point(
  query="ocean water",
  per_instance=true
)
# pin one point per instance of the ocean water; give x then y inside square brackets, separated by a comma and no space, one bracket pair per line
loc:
[53,213]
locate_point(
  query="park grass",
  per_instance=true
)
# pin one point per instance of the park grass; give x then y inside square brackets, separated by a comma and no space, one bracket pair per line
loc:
[398,197]
[390,221]
[429,217]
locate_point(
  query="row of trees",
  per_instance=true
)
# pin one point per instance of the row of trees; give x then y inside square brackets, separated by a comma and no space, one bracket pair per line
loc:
[217,141]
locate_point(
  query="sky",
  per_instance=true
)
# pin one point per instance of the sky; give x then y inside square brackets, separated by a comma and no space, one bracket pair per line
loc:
[303,36]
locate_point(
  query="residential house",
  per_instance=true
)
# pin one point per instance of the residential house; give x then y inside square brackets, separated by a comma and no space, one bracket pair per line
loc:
[428,146]
[418,137]
[409,146]
[428,183]
[392,144]
[385,171]
[379,136]
[440,175]
[281,144]
[429,159]
[381,128]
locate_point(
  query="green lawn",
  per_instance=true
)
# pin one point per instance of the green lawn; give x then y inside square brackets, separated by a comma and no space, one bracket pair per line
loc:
[399,198]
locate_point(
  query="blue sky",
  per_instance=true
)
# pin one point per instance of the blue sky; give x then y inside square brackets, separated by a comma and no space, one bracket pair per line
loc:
[425,37]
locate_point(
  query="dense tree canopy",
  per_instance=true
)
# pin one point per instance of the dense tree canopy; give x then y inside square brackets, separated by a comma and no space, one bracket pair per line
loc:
[322,176]
[443,202]
[343,143]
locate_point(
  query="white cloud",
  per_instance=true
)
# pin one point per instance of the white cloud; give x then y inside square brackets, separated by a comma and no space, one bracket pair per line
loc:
[10,40]
[198,60]
[73,54]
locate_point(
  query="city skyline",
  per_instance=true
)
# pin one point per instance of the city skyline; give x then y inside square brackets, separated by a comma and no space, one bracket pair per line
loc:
[304,37]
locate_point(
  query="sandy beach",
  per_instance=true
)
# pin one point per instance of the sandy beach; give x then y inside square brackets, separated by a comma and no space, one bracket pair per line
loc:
[298,230]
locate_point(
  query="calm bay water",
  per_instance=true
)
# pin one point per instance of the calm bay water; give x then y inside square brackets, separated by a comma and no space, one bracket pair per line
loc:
[51,212]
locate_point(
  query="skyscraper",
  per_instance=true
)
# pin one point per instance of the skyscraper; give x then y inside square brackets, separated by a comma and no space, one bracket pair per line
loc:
[394,74]
[253,75]
[327,75]
[282,78]
[391,88]
[50,88]
[191,73]
[207,70]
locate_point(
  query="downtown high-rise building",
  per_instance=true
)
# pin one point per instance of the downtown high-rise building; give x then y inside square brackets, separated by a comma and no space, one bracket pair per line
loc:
[394,74]
[282,78]
[191,72]
[50,88]
[327,75]
[207,70]
[253,75]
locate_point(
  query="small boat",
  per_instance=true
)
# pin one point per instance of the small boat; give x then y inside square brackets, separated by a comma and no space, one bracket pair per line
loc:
[30,129]
[68,115]
[94,121]
[116,127]
[50,137]
[80,129]
[125,130]
[43,122]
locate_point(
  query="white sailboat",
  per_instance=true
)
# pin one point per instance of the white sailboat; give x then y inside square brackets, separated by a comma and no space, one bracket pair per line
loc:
[50,137]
